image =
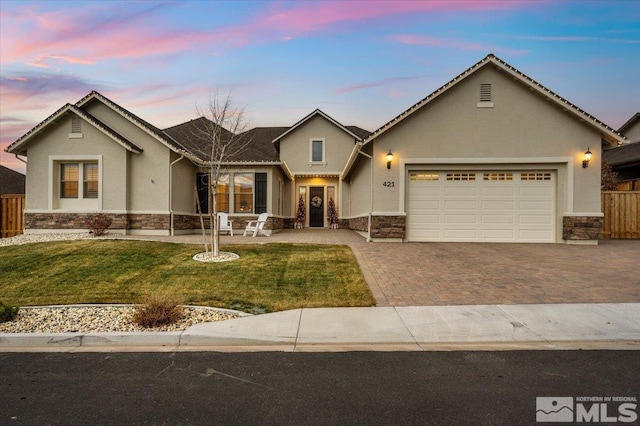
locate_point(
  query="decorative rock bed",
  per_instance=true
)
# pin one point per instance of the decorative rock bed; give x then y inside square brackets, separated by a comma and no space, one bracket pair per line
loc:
[97,318]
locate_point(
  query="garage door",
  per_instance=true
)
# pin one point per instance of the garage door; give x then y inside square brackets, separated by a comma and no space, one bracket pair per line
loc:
[491,206]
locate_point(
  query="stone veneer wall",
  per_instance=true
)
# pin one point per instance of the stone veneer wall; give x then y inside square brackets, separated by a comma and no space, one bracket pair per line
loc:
[78,221]
[581,227]
[359,223]
[68,220]
[388,227]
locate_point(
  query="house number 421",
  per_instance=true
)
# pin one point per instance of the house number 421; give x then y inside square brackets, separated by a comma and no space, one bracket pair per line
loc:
[389,183]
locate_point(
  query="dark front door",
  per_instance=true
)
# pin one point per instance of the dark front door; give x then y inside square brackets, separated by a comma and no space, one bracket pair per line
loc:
[316,207]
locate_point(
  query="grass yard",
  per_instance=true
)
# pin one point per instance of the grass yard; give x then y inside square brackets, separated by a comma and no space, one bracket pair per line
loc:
[266,278]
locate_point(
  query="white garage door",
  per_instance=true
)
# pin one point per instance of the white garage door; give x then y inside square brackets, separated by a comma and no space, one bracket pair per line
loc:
[489,206]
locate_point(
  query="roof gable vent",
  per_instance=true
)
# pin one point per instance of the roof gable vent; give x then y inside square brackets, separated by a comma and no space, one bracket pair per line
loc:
[76,127]
[486,100]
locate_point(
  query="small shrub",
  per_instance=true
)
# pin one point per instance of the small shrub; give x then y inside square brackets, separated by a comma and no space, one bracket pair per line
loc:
[98,224]
[7,312]
[158,310]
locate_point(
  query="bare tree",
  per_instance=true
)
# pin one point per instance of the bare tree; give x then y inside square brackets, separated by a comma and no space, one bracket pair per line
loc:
[219,140]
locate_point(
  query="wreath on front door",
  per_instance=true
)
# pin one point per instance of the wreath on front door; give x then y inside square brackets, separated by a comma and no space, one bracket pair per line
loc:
[316,201]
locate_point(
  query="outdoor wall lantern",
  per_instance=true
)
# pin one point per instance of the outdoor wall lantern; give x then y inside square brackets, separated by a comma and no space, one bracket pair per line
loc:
[587,158]
[389,159]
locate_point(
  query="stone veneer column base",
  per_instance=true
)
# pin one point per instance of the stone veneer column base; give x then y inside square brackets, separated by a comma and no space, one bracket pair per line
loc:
[582,229]
[391,228]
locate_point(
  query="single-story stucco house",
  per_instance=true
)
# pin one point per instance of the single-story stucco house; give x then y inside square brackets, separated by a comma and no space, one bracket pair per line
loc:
[490,156]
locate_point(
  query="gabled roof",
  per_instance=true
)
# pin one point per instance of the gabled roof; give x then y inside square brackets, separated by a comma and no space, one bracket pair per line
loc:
[19,146]
[608,134]
[148,128]
[629,123]
[11,182]
[322,114]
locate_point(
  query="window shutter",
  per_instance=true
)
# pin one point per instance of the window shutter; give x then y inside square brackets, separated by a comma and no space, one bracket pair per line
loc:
[202,185]
[261,193]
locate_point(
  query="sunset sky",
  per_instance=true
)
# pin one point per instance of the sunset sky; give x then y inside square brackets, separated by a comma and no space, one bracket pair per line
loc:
[361,62]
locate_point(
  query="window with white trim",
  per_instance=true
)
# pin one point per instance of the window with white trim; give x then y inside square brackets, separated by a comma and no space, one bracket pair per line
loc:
[317,150]
[74,176]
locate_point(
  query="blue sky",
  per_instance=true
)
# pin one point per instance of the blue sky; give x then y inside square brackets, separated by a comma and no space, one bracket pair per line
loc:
[361,62]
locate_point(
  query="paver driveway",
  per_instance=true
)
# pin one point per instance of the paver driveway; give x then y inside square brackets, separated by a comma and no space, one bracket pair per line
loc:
[414,274]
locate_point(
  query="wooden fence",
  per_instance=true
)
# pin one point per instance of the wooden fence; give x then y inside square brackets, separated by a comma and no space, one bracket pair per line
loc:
[11,215]
[621,214]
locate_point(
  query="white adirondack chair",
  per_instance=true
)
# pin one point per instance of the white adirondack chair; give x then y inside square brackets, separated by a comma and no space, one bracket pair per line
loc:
[224,224]
[256,226]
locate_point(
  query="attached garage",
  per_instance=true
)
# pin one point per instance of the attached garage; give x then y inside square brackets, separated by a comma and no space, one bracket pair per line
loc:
[483,206]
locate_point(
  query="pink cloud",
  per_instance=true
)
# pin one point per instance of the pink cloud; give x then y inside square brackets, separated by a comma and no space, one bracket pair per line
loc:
[451,43]
[43,61]
[96,34]
[305,17]
[374,84]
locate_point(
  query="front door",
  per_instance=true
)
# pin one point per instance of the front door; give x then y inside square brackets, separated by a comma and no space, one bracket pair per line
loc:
[316,207]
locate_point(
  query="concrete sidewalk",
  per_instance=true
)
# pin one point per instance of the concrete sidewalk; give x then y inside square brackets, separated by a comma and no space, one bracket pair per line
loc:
[421,328]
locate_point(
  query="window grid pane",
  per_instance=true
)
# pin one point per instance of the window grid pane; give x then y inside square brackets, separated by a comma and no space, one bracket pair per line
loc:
[222,194]
[243,193]
[69,180]
[90,184]
[316,151]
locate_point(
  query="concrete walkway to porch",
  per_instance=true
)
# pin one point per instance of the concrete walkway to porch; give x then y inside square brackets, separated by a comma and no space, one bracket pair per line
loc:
[425,274]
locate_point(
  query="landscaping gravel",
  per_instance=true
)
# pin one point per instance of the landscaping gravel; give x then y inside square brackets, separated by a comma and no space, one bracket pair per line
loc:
[69,319]
[42,238]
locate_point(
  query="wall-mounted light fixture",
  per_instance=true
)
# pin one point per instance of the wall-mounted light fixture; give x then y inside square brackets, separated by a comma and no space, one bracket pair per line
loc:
[389,159]
[587,158]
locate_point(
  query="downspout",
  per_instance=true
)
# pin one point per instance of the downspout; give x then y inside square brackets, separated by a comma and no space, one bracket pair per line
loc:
[16,155]
[371,203]
[171,232]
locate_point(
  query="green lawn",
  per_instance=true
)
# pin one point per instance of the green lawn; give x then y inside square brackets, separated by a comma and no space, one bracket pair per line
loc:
[266,278]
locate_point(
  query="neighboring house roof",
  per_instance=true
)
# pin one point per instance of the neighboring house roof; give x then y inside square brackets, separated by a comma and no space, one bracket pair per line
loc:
[629,123]
[348,129]
[19,146]
[11,182]
[608,134]
[626,155]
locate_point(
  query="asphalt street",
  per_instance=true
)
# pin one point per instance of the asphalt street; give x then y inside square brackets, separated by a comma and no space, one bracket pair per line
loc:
[399,388]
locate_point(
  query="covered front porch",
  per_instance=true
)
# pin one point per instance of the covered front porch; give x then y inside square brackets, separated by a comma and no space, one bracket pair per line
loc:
[316,201]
